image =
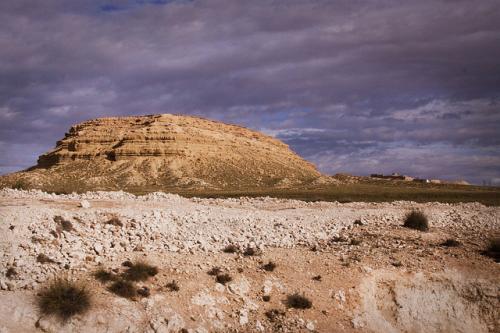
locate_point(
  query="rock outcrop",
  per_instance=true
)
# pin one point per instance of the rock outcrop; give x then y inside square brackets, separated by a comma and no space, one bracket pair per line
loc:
[165,152]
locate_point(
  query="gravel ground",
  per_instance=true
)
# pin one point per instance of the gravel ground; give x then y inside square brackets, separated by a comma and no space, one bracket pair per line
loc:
[47,235]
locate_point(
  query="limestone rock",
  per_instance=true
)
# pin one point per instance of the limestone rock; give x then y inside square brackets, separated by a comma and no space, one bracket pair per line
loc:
[166,151]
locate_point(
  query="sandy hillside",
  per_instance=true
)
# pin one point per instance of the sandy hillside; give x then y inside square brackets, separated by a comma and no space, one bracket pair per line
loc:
[362,271]
[165,151]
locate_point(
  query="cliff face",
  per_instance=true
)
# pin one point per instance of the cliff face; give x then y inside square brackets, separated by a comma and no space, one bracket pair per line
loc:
[168,151]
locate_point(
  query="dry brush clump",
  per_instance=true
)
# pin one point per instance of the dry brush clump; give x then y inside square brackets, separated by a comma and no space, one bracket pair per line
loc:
[123,288]
[140,271]
[416,220]
[269,267]
[115,221]
[231,248]
[493,249]
[223,278]
[104,276]
[298,301]
[450,242]
[64,299]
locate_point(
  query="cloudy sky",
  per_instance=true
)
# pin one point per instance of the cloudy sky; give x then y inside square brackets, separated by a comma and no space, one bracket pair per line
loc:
[354,86]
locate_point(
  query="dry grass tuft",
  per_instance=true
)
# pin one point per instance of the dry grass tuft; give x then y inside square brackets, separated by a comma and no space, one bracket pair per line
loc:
[11,272]
[269,267]
[223,278]
[44,259]
[104,276]
[493,249]
[123,288]
[115,221]
[231,248]
[64,299]
[140,271]
[416,220]
[298,301]
[450,243]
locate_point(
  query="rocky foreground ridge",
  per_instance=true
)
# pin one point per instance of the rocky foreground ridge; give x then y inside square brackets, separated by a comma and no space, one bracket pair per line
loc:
[165,151]
[361,270]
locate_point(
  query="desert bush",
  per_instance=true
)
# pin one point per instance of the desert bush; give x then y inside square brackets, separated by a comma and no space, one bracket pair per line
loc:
[127,263]
[223,278]
[104,276]
[11,272]
[450,243]
[317,278]
[173,286]
[123,288]
[266,298]
[63,223]
[231,248]
[298,301]
[270,266]
[64,299]
[355,241]
[416,220]
[140,271]
[214,271]
[115,221]
[493,249]
[44,259]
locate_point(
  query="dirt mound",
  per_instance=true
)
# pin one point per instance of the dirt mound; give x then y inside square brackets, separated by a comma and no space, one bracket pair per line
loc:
[165,151]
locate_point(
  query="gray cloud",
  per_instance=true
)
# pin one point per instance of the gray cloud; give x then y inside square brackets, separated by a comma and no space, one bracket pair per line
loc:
[348,84]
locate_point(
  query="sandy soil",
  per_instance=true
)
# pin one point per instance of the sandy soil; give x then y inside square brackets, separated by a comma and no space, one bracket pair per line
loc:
[361,269]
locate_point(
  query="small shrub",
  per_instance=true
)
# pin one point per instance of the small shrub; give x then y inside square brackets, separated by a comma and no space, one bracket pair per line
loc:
[298,301]
[115,221]
[317,278]
[231,248]
[355,241]
[493,249]
[416,220]
[270,266]
[214,271]
[358,222]
[223,278]
[173,286]
[144,291]
[127,263]
[11,272]
[450,243]
[266,298]
[63,223]
[104,276]
[44,259]
[274,314]
[64,299]
[140,271]
[123,288]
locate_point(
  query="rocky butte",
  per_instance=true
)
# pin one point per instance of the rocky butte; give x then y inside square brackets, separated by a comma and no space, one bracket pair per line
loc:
[165,152]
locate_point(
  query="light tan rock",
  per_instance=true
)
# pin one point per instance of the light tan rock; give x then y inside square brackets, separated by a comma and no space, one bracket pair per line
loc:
[166,151]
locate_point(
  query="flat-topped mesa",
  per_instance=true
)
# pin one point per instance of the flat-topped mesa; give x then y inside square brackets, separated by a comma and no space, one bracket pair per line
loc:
[171,151]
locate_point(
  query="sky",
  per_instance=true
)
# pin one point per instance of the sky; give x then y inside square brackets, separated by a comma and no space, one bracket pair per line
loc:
[353,86]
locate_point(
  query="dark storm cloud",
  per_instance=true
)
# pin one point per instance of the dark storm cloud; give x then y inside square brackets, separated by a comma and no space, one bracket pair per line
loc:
[354,86]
